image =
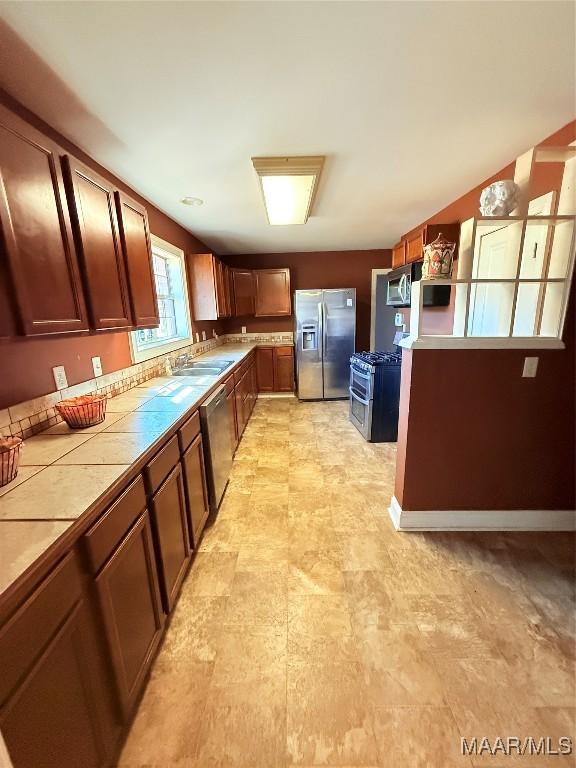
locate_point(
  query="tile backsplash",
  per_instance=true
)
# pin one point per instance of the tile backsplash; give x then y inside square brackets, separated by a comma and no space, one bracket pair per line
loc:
[261,338]
[33,416]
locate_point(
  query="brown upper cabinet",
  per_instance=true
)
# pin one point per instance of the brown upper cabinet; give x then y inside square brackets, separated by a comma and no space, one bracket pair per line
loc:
[243,292]
[219,291]
[135,238]
[399,254]
[78,254]
[95,224]
[416,241]
[272,292]
[210,287]
[41,268]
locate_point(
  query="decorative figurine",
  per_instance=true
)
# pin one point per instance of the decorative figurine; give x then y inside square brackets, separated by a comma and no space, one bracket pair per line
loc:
[500,198]
[438,257]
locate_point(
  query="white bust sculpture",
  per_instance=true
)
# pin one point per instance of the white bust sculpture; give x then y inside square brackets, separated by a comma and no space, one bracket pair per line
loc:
[499,198]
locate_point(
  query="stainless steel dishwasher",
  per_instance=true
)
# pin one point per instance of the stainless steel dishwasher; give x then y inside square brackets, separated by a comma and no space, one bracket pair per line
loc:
[216,430]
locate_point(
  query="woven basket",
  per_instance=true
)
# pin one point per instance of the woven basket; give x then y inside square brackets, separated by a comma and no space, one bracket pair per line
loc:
[81,412]
[9,458]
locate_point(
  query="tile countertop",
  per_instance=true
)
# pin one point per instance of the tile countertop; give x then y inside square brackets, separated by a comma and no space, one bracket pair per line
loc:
[63,473]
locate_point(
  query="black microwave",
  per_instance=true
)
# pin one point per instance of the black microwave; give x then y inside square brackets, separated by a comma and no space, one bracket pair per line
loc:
[399,288]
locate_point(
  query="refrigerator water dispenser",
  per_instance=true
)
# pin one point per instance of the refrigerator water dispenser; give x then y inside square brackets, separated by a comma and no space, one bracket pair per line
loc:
[309,337]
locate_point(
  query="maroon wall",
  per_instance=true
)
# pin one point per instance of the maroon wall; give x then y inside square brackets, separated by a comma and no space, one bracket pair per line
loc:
[26,364]
[473,433]
[318,269]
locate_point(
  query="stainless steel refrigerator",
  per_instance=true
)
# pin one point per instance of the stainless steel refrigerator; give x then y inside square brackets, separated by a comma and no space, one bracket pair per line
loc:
[325,338]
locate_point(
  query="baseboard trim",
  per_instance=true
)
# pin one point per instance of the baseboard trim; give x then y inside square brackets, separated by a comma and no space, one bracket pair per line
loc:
[482,520]
[276,395]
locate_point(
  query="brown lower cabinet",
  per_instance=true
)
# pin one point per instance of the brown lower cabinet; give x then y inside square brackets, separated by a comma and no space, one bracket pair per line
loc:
[76,650]
[51,721]
[169,519]
[57,706]
[275,367]
[129,599]
[196,491]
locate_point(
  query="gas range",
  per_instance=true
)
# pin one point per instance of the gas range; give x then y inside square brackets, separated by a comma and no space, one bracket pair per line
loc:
[370,361]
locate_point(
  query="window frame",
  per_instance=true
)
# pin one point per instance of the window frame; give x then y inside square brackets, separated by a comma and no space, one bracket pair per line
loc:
[167,250]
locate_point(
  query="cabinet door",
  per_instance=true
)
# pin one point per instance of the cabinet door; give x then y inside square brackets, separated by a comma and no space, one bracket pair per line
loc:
[265,368]
[170,525]
[272,292]
[254,384]
[204,286]
[238,410]
[415,248]
[284,369]
[229,288]
[52,718]
[231,401]
[221,302]
[43,272]
[196,491]
[243,284]
[135,238]
[98,241]
[127,589]
[399,255]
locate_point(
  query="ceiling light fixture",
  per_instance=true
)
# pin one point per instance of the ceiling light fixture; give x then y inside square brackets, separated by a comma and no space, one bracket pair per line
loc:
[192,201]
[288,186]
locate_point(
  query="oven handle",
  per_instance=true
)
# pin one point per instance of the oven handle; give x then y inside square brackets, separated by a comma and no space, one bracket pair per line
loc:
[357,397]
[356,372]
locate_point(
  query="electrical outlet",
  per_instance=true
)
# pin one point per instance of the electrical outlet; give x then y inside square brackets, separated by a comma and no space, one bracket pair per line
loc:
[530,367]
[60,377]
[97,366]
[203,335]
[243,329]
[197,337]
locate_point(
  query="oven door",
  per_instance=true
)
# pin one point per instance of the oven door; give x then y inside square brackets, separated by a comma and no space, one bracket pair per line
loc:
[362,383]
[361,414]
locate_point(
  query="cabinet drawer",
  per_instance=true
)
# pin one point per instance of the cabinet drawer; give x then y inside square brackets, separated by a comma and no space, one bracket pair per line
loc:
[229,384]
[100,541]
[189,430]
[162,464]
[28,632]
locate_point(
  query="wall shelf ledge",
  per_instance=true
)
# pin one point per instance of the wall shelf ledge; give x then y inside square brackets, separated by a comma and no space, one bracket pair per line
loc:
[476,342]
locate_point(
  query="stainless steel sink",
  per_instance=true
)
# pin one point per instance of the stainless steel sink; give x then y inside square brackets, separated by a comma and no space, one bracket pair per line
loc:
[214,368]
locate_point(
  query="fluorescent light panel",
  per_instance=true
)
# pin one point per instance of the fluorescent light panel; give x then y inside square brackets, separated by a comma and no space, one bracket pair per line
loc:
[288,186]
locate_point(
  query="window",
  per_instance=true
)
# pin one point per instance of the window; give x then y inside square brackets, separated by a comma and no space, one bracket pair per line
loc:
[171,289]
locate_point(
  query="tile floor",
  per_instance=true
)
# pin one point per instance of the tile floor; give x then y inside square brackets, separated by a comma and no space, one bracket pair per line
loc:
[309,632]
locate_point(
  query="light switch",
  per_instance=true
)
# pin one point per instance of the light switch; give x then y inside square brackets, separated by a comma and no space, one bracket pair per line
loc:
[203,335]
[243,329]
[60,377]
[97,366]
[530,367]
[398,319]
[197,337]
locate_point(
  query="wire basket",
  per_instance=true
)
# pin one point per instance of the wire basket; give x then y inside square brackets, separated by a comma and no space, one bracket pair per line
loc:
[81,412]
[9,459]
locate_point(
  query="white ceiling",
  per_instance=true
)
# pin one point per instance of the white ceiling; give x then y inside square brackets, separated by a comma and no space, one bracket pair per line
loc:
[413,103]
